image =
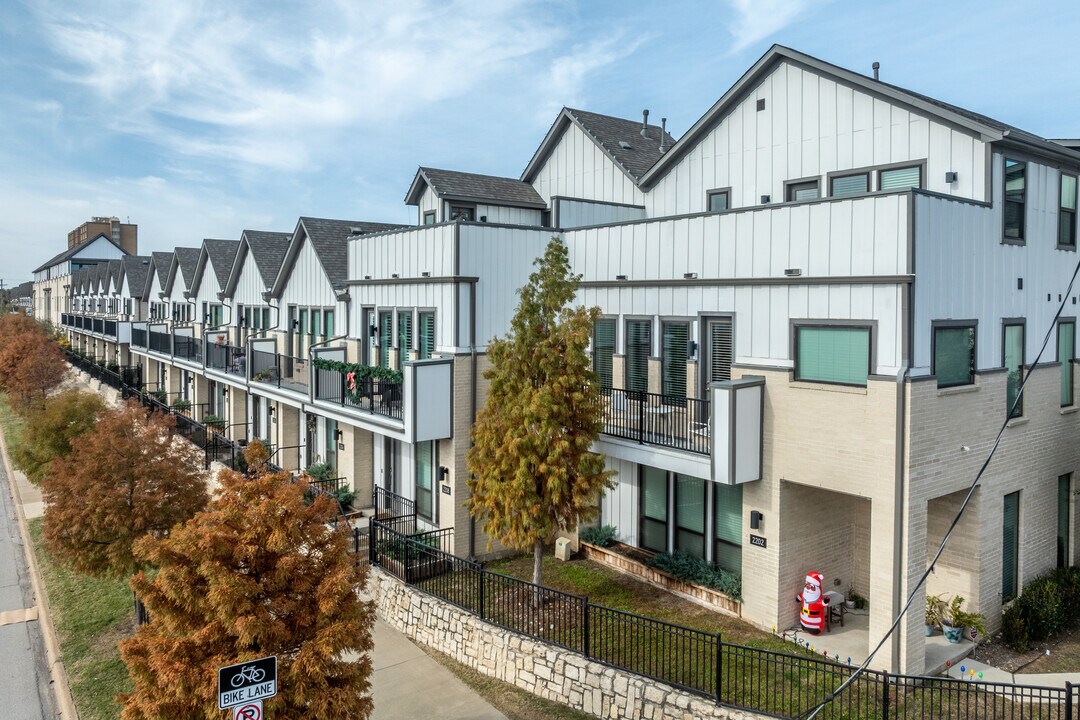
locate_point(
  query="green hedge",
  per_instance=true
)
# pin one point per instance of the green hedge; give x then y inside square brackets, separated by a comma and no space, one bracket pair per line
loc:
[1048,605]
[699,572]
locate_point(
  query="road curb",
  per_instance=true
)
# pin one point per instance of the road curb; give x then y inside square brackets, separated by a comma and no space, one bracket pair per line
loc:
[65,705]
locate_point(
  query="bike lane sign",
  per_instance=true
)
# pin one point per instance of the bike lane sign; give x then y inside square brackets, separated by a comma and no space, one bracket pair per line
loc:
[247,682]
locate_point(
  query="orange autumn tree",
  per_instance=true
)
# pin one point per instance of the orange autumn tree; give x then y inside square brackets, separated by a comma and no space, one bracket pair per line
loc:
[49,431]
[30,366]
[258,573]
[130,476]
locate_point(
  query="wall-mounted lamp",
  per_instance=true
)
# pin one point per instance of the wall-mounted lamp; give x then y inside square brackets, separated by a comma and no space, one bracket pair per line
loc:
[339,434]
[755,520]
[443,473]
[373,330]
[950,177]
[270,411]
[620,277]
[691,349]
[225,392]
[765,199]
[793,272]
[394,275]
[295,324]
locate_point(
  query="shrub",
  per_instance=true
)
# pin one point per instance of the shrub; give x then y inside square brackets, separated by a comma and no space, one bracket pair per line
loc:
[1047,605]
[694,570]
[213,421]
[1014,632]
[345,496]
[181,404]
[319,471]
[600,536]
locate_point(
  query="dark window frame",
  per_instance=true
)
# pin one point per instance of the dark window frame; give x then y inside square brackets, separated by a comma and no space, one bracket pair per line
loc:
[643,518]
[1022,238]
[1064,213]
[430,217]
[791,187]
[870,327]
[920,166]
[833,177]
[703,536]
[1067,364]
[664,389]
[718,192]
[614,321]
[1064,534]
[626,352]
[1007,592]
[452,207]
[953,325]
[1022,324]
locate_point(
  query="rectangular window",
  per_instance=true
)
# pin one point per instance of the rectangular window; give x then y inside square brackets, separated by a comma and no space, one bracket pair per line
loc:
[316,323]
[954,355]
[604,351]
[718,200]
[673,356]
[638,347]
[832,354]
[1013,360]
[900,178]
[427,335]
[328,323]
[718,349]
[462,212]
[386,334]
[1064,556]
[404,339]
[301,337]
[690,515]
[727,527]
[331,444]
[266,318]
[1067,212]
[654,509]
[425,472]
[845,185]
[1015,197]
[1010,546]
[429,217]
[800,191]
[1066,348]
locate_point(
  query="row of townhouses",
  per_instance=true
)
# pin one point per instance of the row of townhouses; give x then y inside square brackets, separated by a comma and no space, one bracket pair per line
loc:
[817,307]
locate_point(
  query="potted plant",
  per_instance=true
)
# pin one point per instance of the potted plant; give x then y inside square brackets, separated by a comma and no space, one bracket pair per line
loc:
[214,422]
[932,612]
[955,620]
[181,405]
[262,376]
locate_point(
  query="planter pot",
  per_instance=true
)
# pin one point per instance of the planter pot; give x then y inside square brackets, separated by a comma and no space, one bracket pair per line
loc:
[952,634]
[929,630]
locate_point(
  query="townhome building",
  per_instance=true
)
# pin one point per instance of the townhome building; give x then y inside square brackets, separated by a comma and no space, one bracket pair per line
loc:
[818,306]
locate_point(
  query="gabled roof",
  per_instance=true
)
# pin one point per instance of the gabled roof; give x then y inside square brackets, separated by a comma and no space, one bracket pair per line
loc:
[267,251]
[160,262]
[453,185]
[330,241]
[135,269]
[184,262]
[116,274]
[74,250]
[219,255]
[976,123]
[609,133]
[99,278]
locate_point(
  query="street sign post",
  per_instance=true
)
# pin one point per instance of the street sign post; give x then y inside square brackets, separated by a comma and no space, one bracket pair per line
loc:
[248,711]
[246,683]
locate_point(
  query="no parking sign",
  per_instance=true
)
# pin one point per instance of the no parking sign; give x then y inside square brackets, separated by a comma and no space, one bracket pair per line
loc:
[248,711]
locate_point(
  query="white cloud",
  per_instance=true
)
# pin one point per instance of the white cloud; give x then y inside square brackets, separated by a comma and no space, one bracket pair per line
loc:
[567,74]
[758,19]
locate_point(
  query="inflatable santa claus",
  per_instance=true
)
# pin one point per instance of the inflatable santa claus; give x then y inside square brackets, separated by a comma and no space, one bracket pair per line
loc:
[814,604]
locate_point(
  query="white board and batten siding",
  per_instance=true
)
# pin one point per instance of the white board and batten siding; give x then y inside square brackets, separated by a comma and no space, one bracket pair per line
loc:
[620,506]
[249,285]
[308,285]
[858,237]
[429,202]
[578,168]
[507,215]
[435,296]
[964,271]
[811,126]
[408,253]
[208,290]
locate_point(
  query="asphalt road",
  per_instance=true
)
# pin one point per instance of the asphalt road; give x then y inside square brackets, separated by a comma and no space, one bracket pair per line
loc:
[24,672]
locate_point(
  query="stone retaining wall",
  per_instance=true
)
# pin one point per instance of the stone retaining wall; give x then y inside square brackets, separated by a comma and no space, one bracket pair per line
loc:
[545,670]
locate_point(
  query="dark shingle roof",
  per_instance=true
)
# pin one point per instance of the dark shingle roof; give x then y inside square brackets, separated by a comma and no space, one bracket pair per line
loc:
[72,251]
[136,268]
[221,254]
[330,239]
[99,277]
[608,132]
[188,259]
[23,290]
[113,273]
[162,260]
[470,186]
[268,250]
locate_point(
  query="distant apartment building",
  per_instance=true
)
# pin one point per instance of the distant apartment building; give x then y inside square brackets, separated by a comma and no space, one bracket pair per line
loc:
[125,235]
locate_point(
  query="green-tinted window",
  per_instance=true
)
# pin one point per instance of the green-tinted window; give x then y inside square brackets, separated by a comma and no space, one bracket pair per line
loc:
[690,515]
[427,335]
[1015,198]
[331,444]
[638,347]
[386,331]
[1067,212]
[654,504]
[1010,543]
[1064,558]
[673,356]
[900,178]
[316,323]
[425,471]
[954,355]
[1014,367]
[328,323]
[603,351]
[832,354]
[1066,344]
[301,337]
[727,501]
[266,318]
[404,339]
[719,200]
[849,185]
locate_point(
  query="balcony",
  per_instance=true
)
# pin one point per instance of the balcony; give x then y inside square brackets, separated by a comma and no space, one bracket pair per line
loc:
[280,371]
[161,342]
[679,423]
[187,348]
[138,337]
[378,396]
[226,358]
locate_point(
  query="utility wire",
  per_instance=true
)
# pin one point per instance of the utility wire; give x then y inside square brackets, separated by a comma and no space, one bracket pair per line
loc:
[813,713]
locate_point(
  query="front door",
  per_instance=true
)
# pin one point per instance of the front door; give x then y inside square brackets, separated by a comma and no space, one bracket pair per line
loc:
[390,453]
[311,442]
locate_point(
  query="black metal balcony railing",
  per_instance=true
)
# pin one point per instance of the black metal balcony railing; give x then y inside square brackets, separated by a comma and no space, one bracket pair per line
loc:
[99,326]
[279,370]
[161,342]
[138,337]
[186,348]
[380,397]
[110,328]
[225,358]
[654,419]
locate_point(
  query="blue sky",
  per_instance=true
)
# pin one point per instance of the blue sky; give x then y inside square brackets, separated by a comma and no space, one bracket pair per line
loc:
[201,119]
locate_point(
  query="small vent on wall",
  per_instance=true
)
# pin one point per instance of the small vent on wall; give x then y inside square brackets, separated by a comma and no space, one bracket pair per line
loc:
[761,104]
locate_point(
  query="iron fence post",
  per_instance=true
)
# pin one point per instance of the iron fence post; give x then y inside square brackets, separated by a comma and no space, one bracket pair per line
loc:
[481,573]
[719,660]
[372,556]
[1068,700]
[586,648]
[641,422]
[885,696]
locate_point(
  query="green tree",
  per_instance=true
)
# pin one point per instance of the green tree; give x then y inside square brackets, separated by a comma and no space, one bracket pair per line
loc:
[49,431]
[533,472]
[128,477]
[257,573]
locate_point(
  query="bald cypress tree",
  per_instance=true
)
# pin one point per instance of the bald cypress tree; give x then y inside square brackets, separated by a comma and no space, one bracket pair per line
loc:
[533,472]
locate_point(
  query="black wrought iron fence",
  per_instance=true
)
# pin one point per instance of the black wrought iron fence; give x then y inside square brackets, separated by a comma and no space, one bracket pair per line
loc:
[775,684]
[280,370]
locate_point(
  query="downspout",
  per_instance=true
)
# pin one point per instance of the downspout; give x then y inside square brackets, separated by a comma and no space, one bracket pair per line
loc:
[343,297]
[472,400]
[898,507]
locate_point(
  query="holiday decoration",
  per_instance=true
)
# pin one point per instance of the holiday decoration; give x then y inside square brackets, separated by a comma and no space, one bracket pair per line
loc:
[814,604]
